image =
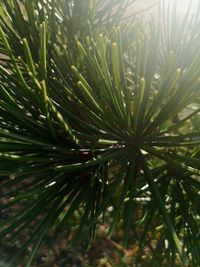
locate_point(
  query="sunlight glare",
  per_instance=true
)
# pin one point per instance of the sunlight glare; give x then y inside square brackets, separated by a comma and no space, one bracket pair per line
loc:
[183,5]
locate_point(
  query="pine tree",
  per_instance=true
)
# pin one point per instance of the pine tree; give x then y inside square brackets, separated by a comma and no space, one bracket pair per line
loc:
[100,111]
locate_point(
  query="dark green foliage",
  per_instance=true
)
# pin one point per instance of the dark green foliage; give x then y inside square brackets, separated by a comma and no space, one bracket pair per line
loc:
[92,118]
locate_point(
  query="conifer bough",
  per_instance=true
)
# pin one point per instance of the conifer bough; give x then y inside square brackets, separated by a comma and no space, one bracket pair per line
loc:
[99,111]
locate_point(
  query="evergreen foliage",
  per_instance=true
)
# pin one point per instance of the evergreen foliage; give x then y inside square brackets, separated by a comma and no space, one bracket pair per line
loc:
[94,114]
